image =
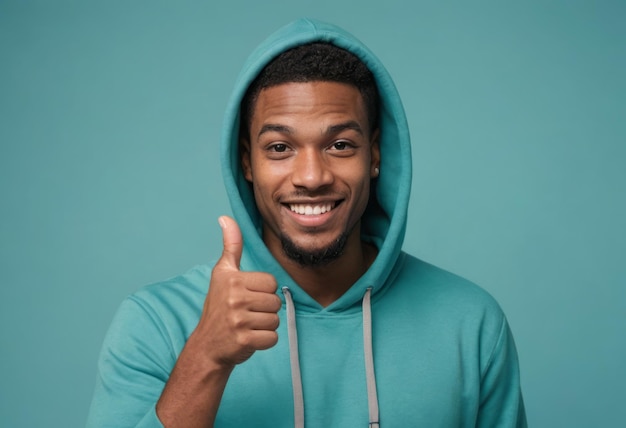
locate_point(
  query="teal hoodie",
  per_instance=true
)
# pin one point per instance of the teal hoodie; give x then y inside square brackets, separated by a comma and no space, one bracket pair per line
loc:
[408,345]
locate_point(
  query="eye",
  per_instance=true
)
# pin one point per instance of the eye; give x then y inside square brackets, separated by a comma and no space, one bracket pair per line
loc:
[278,148]
[340,145]
[342,148]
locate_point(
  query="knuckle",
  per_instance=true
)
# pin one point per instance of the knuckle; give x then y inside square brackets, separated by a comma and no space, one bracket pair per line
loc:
[231,280]
[244,340]
[237,321]
[232,302]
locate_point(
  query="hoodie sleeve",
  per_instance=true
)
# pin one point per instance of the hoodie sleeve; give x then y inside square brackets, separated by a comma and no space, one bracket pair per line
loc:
[133,367]
[501,402]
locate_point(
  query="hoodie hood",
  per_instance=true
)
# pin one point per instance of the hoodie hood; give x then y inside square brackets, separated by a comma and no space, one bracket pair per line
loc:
[384,221]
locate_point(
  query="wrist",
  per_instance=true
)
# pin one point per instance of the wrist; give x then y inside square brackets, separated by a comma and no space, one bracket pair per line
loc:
[207,362]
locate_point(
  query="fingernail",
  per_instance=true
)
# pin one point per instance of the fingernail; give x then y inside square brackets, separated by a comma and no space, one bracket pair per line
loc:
[222,222]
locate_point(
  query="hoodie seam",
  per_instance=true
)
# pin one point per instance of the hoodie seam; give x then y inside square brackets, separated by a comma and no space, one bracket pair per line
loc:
[156,319]
[493,350]
[376,296]
[356,314]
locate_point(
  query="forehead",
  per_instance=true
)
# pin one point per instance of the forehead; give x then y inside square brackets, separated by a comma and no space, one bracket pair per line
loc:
[309,101]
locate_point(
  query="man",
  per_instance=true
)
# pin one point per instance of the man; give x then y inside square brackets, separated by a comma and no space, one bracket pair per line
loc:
[313,314]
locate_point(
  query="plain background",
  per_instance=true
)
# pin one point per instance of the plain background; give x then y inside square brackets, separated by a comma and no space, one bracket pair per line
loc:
[110,116]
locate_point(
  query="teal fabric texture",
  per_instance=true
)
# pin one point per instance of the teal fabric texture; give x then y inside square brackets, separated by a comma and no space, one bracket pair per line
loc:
[443,353]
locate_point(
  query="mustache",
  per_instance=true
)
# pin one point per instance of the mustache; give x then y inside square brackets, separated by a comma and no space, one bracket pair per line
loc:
[306,194]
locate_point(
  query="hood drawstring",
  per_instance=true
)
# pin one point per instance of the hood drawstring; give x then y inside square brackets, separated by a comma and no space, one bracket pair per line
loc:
[372,396]
[296,378]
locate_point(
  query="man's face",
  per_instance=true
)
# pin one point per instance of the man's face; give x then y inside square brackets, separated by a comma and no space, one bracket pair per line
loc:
[310,159]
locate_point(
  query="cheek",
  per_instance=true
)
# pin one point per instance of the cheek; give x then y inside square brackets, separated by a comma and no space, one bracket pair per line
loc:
[361,190]
[265,186]
[365,194]
[260,191]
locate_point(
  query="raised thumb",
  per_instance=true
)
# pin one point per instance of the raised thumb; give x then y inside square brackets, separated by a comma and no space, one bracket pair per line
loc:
[233,242]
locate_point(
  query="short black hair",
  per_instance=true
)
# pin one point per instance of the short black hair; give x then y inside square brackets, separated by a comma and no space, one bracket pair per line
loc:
[310,63]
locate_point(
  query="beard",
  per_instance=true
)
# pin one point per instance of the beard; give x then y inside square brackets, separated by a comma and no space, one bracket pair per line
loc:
[314,258]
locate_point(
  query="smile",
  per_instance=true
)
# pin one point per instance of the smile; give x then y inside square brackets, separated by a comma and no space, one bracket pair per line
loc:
[312,209]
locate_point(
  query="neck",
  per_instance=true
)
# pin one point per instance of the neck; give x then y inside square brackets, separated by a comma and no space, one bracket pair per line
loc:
[327,283]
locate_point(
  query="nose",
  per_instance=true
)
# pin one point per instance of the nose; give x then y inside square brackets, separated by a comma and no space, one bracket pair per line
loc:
[311,170]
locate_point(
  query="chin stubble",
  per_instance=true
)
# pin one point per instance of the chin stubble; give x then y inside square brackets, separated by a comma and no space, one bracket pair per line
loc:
[314,258]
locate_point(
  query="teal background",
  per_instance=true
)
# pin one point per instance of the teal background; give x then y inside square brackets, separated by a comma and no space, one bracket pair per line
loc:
[110,115]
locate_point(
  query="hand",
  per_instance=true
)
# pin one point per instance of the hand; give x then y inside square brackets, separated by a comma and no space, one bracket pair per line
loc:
[240,316]
[240,310]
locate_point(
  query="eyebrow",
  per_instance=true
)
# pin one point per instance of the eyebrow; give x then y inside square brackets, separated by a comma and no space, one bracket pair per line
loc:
[351,124]
[271,127]
[331,130]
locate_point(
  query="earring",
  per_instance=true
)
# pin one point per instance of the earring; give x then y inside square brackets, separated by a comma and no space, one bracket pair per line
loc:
[376,171]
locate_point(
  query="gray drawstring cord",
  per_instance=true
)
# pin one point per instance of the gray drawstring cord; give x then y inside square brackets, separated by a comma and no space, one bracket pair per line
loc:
[372,396]
[296,378]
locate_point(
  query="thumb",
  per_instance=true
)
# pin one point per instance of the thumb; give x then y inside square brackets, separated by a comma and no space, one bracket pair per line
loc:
[233,242]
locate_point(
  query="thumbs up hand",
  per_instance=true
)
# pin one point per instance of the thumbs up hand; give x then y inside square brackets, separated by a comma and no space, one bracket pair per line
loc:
[240,316]
[240,310]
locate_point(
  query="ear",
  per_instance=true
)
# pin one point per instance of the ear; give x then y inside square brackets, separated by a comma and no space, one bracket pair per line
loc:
[375,154]
[244,148]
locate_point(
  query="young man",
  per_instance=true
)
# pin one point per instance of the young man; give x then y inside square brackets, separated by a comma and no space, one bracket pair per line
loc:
[313,315]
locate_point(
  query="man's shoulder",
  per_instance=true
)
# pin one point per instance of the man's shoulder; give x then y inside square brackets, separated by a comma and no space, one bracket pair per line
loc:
[194,281]
[168,309]
[430,283]
[424,295]
[177,295]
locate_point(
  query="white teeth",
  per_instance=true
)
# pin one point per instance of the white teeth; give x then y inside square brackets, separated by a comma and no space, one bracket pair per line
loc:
[303,209]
